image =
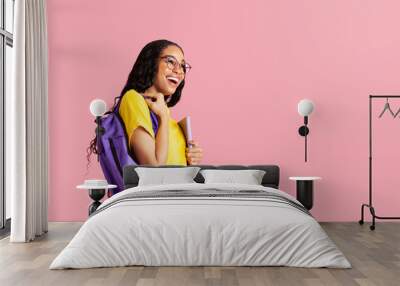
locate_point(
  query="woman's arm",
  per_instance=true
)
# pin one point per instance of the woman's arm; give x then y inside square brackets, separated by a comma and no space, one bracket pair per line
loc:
[147,149]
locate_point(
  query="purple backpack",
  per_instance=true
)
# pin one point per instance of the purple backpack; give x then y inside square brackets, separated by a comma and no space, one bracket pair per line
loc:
[113,149]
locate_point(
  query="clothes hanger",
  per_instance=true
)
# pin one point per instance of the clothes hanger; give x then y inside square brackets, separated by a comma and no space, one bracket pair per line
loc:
[387,107]
[397,113]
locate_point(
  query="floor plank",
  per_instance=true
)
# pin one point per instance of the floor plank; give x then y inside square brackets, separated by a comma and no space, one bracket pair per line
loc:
[374,255]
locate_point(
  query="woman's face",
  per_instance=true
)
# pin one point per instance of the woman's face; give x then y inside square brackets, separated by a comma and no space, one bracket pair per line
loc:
[170,72]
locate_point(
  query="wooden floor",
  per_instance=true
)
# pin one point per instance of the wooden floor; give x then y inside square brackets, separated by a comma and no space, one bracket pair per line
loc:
[374,255]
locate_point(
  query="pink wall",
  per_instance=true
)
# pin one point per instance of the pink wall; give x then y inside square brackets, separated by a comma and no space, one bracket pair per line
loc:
[252,62]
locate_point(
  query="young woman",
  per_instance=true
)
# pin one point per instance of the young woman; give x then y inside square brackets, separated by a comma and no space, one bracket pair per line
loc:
[155,83]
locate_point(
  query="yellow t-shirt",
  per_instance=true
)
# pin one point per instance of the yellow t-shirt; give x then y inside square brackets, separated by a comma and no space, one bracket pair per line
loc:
[135,112]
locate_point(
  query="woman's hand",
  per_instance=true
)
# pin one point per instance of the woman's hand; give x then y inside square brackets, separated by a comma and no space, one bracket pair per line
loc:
[157,104]
[194,154]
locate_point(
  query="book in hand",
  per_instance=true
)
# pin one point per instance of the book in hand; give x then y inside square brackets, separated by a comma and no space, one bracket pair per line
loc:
[187,129]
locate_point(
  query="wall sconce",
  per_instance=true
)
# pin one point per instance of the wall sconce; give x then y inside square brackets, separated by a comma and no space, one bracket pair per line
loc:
[97,108]
[305,107]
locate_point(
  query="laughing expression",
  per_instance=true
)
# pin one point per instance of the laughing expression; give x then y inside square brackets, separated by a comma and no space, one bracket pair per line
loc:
[168,78]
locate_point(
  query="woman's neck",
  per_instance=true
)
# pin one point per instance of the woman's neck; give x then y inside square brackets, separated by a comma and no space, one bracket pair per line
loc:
[153,89]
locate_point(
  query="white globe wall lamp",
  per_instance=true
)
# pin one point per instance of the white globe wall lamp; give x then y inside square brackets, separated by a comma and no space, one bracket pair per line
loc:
[305,107]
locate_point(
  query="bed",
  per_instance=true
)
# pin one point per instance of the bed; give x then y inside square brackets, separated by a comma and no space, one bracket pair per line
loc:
[199,224]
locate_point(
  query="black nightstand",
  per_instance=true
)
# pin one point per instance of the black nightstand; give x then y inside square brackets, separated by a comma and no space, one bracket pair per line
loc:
[305,190]
[97,189]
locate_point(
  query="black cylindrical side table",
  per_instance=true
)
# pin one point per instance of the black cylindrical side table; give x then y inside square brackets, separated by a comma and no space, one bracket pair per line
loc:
[96,195]
[97,189]
[305,190]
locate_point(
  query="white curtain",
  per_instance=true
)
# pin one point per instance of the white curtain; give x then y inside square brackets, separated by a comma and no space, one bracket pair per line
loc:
[26,123]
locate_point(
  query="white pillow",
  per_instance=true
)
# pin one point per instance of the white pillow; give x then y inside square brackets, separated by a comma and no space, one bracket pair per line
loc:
[160,176]
[250,177]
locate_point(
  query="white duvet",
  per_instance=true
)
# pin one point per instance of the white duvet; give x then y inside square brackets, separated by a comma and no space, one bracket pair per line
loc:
[200,231]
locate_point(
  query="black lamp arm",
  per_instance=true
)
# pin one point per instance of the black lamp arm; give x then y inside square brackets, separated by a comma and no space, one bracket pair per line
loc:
[99,131]
[303,131]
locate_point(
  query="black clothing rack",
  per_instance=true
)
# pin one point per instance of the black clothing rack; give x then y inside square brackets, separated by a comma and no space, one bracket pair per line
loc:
[370,205]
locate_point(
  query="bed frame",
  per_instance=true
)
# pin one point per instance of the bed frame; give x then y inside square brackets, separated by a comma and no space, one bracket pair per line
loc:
[270,179]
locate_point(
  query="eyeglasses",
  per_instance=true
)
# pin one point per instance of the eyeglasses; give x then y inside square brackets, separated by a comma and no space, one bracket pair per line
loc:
[172,63]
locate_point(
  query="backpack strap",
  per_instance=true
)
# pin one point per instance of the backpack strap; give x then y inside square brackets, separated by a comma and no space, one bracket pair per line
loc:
[153,116]
[154,121]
